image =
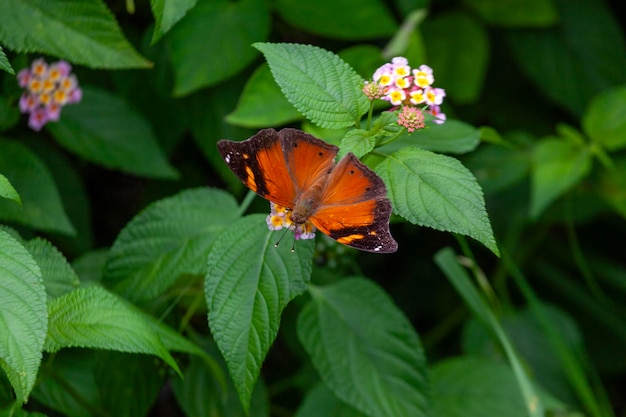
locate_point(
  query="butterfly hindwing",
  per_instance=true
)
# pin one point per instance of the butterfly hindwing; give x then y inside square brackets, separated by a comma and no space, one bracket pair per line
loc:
[354,208]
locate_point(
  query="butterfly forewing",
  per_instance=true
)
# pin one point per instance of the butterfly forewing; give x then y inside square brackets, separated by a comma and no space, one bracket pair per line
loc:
[260,164]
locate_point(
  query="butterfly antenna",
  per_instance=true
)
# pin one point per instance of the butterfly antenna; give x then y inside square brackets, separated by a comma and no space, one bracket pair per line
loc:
[281,238]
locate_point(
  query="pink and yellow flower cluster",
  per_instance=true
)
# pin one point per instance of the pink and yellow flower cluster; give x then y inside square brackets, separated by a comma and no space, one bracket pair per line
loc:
[47,89]
[404,86]
[280,217]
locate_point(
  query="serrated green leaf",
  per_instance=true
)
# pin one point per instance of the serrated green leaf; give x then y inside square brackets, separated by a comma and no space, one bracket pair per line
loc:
[95,318]
[7,190]
[605,119]
[82,32]
[4,62]
[58,276]
[460,386]
[169,238]
[23,316]
[222,29]
[167,13]
[358,141]
[516,13]
[437,191]
[41,204]
[369,19]
[262,104]
[104,129]
[365,349]
[317,82]
[458,57]
[454,136]
[248,284]
[567,65]
[320,401]
[557,167]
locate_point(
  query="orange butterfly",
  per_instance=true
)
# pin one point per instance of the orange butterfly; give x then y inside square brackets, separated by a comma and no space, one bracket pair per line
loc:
[293,169]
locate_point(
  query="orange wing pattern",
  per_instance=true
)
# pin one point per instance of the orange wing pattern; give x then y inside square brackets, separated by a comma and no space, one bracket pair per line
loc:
[354,209]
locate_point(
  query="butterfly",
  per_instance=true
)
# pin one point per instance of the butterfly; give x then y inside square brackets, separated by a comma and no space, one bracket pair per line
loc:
[295,170]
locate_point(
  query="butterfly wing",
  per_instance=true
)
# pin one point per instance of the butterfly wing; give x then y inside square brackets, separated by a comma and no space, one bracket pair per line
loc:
[278,165]
[354,208]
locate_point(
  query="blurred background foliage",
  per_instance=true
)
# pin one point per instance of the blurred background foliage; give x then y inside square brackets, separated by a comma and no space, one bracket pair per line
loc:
[545,80]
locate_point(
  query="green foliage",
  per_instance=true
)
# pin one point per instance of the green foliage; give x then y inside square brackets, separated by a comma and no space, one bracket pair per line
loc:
[23,318]
[376,366]
[85,32]
[133,281]
[318,83]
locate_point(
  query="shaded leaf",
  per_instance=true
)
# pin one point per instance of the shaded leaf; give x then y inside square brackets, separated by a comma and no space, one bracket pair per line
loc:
[605,119]
[95,318]
[248,284]
[82,32]
[262,103]
[458,57]
[317,82]
[7,190]
[365,349]
[90,265]
[105,130]
[516,13]
[557,167]
[222,29]
[569,66]
[41,204]
[437,191]
[23,316]
[169,238]
[370,19]
[167,13]
[321,401]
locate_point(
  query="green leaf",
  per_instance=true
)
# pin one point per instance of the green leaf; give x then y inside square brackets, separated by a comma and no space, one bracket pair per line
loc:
[105,130]
[569,66]
[461,386]
[365,349]
[605,119]
[437,191]
[262,103]
[317,82]
[516,13]
[454,136]
[612,186]
[557,167]
[9,112]
[7,190]
[368,20]
[4,62]
[167,13]
[248,284]
[95,318]
[82,32]
[41,204]
[320,401]
[58,276]
[204,390]
[90,265]
[358,141]
[498,168]
[458,57]
[169,238]
[222,29]
[459,278]
[23,316]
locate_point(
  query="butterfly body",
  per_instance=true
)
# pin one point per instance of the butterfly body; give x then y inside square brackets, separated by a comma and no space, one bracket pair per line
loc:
[293,169]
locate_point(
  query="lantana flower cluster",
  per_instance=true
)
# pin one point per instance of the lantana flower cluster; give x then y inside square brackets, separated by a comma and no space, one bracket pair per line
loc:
[47,89]
[280,217]
[410,88]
